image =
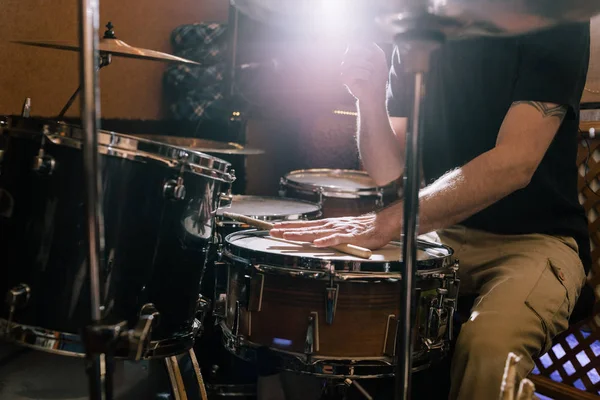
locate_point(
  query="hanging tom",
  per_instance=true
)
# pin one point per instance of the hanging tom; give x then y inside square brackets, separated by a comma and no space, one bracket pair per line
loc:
[159,204]
[340,192]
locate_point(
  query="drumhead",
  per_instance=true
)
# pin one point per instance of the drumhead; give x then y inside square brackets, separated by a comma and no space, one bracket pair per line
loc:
[334,181]
[271,208]
[259,247]
[119,145]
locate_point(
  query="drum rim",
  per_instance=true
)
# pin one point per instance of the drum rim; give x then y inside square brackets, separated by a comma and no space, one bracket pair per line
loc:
[121,145]
[317,213]
[372,190]
[342,268]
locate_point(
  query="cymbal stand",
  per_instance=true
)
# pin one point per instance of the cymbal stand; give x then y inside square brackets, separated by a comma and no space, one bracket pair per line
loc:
[99,365]
[419,36]
[104,59]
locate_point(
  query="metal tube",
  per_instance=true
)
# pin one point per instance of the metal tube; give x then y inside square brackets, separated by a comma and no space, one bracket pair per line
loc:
[90,109]
[412,181]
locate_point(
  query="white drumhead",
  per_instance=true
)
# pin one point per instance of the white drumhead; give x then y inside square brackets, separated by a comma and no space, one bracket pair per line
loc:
[388,253]
[257,206]
[338,179]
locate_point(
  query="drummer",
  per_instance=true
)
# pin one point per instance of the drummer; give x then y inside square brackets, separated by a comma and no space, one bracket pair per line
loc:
[499,157]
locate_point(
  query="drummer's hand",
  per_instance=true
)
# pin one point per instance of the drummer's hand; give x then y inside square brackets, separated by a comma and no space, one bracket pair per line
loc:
[365,72]
[370,231]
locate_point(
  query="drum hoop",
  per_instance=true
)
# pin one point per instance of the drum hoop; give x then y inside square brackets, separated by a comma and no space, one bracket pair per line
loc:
[334,268]
[317,213]
[122,146]
[330,190]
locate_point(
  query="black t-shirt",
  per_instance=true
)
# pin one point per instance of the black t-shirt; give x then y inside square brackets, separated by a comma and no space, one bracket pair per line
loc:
[470,87]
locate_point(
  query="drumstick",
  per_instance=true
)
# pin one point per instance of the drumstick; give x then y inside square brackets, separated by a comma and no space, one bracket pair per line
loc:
[344,248]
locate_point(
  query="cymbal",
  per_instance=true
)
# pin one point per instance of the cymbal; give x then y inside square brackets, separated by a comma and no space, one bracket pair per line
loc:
[202,145]
[112,46]
[384,19]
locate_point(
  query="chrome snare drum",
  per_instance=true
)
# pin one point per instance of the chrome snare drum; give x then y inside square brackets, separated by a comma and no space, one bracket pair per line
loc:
[330,314]
[159,205]
[340,192]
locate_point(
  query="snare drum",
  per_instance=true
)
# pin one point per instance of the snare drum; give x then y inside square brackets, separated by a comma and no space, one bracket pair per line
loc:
[159,205]
[330,314]
[341,193]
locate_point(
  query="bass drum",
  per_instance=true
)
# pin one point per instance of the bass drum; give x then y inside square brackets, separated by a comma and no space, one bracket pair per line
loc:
[159,204]
[225,374]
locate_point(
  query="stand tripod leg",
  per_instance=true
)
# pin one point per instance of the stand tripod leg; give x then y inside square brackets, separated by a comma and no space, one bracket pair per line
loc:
[198,373]
[175,377]
[358,386]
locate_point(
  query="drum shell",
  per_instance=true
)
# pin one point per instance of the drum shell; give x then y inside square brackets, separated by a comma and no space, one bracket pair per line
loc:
[150,257]
[364,325]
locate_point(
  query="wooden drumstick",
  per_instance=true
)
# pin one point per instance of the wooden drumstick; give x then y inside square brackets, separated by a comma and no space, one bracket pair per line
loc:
[344,248]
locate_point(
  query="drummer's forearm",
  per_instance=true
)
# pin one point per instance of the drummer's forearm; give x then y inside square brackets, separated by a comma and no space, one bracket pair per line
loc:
[381,152]
[461,193]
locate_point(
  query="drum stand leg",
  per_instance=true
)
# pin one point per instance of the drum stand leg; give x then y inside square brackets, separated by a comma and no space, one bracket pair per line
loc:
[176,378]
[358,386]
[203,394]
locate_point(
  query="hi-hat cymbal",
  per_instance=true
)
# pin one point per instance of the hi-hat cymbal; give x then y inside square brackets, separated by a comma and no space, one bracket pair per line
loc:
[203,145]
[112,46]
[384,19]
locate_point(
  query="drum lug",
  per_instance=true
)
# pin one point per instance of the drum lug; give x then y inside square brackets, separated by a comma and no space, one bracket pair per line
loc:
[139,336]
[43,164]
[174,189]
[282,191]
[331,303]
[379,201]
[236,319]
[437,320]
[202,309]
[311,343]
[220,289]
[225,199]
[389,342]
[16,298]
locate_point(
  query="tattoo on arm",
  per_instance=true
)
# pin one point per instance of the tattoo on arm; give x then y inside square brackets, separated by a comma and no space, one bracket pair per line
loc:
[547,111]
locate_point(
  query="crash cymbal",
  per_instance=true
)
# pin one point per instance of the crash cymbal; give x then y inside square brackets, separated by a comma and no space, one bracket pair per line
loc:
[384,19]
[203,145]
[114,47]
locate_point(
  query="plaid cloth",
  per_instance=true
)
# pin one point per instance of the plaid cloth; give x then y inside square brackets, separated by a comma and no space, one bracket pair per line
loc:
[204,104]
[189,77]
[196,92]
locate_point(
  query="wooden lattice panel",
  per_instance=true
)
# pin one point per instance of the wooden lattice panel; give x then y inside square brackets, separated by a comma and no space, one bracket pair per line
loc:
[574,358]
[588,162]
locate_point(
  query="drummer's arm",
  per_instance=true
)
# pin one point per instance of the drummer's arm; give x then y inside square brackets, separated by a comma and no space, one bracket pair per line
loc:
[526,133]
[382,129]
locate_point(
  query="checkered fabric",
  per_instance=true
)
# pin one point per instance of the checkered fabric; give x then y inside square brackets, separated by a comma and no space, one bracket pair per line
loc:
[196,92]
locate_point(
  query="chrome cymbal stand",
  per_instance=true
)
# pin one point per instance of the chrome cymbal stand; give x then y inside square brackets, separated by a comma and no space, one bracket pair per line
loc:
[419,34]
[99,363]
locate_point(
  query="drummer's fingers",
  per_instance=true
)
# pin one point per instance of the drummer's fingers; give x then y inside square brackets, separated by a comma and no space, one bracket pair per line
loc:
[334,239]
[307,235]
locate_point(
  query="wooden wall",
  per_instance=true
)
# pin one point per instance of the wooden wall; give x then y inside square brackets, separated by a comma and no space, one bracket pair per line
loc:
[130,89]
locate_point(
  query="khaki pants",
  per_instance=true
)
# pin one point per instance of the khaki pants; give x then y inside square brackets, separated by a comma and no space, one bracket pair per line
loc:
[527,287]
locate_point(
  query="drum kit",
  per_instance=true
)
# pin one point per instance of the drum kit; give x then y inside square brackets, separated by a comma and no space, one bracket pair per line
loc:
[107,261]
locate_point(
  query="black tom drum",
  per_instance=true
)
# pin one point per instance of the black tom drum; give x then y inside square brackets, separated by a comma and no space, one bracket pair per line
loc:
[159,205]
